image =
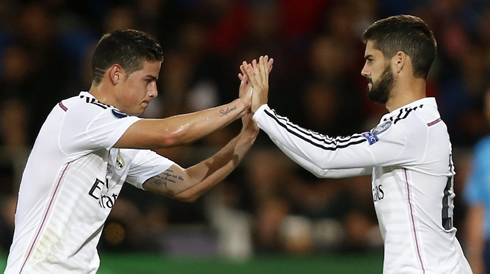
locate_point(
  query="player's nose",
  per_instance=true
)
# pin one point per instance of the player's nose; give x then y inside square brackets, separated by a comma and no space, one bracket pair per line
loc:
[153,91]
[365,71]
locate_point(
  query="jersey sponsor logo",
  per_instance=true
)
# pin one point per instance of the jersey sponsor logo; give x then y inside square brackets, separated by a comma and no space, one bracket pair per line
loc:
[370,137]
[100,192]
[381,128]
[118,114]
[378,193]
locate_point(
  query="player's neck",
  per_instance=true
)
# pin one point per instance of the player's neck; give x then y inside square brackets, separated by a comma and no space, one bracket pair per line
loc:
[100,92]
[404,93]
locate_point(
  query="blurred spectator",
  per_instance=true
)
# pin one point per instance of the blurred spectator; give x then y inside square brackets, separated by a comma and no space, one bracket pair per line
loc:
[344,21]
[14,150]
[458,77]
[7,215]
[329,77]
[47,75]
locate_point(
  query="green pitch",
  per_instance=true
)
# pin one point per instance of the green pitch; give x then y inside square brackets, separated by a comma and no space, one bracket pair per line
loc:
[365,263]
[328,263]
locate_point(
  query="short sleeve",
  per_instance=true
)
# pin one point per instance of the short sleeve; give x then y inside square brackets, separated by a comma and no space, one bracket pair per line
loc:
[88,127]
[146,164]
[105,129]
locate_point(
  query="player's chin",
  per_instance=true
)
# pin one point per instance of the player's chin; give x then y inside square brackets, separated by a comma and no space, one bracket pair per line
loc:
[143,107]
[138,111]
[141,112]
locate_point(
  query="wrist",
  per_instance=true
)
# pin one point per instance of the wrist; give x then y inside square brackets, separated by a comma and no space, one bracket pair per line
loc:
[241,106]
[258,112]
[250,133]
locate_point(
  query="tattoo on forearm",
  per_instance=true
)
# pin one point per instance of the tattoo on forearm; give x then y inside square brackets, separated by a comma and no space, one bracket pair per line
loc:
[166,178]
[225,112]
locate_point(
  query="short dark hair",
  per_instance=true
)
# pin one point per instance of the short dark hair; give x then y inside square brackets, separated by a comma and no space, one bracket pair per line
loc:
[128,48]
[406,33]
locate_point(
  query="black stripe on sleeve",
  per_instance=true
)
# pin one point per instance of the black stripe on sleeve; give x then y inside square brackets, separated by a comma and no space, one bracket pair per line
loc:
[316,139]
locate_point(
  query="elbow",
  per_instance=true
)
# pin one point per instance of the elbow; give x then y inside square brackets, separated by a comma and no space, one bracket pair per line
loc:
[187,197]
[170,139]
[190,200]
[319,176]
[317,172]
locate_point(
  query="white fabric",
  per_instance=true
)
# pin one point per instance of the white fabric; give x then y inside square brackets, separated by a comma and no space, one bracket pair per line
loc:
[70,184]
[409,157]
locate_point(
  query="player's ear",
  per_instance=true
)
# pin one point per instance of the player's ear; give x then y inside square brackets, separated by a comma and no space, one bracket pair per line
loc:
[115,73]
[399,60]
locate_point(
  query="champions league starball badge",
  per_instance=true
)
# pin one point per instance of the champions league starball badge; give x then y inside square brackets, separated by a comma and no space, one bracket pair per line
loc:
[118,114]
[381,128]
[372,136]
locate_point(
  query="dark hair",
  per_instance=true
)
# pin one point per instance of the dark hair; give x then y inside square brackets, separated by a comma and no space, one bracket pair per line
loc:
[128,48]
[405,33]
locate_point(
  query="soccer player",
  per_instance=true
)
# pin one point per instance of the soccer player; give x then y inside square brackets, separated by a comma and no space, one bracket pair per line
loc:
[92,143]
[408,154]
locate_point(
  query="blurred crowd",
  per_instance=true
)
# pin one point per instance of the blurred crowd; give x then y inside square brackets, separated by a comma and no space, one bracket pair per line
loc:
[268,204]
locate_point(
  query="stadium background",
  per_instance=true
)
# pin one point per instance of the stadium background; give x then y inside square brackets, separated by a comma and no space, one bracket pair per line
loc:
[269,216]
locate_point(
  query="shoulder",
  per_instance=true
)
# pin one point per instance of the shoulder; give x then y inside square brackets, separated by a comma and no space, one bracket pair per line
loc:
[405,120]
[413,122]
[404,114]
[84,101]
[420,114]
[85,106]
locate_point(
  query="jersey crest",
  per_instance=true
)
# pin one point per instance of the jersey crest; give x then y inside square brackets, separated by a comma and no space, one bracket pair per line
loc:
[119,162]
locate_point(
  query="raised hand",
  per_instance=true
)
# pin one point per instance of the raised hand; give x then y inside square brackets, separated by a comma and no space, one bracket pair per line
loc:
[245,89]
[258,73]
[245,93]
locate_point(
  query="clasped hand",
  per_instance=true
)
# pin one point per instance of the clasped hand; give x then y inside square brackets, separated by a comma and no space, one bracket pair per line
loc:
[255,78]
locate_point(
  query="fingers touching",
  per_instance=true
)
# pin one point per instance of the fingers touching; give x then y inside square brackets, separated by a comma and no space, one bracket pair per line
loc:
[245,89]
[258,77]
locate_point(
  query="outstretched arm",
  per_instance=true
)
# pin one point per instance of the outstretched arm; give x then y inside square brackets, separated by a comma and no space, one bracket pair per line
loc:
[321,172]
[356,153]
[185,128]
[189,184]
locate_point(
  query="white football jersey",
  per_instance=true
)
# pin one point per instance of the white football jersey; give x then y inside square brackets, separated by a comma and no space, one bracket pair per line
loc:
[409,157]
[71,181]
